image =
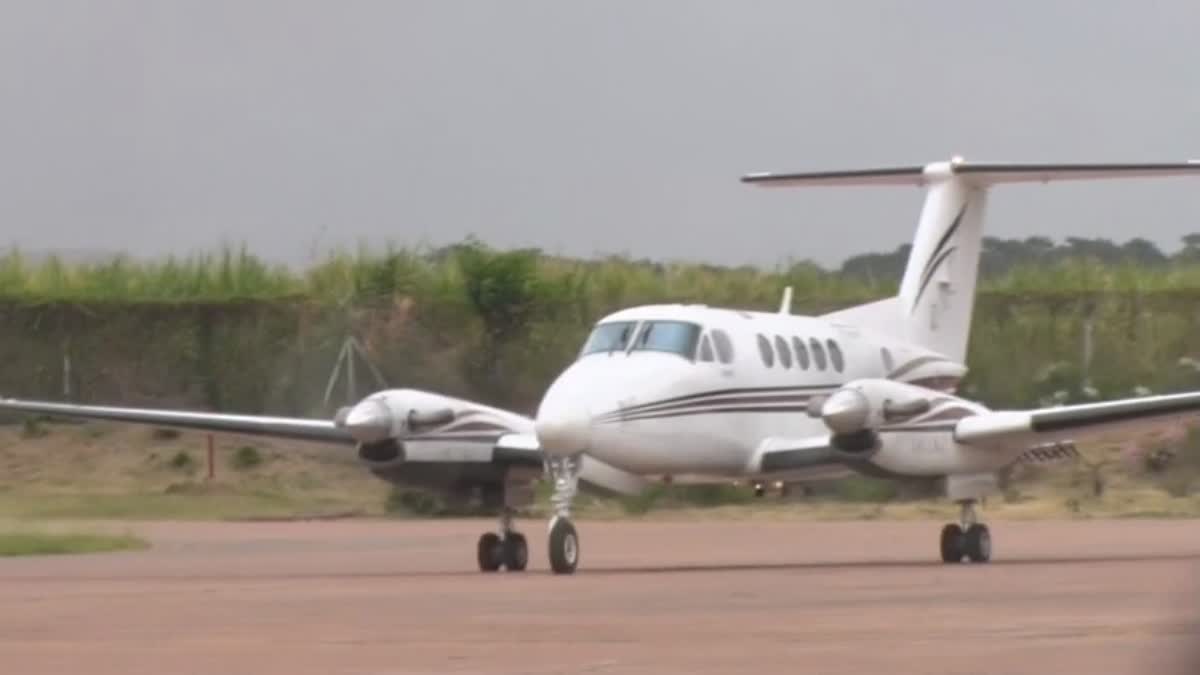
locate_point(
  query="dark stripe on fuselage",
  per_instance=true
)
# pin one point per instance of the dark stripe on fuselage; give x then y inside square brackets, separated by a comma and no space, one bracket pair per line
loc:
[796,399]
[749,394]
[696,410]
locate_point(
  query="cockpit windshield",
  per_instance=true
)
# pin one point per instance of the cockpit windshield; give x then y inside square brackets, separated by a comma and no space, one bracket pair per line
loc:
[677,337]
[609,337]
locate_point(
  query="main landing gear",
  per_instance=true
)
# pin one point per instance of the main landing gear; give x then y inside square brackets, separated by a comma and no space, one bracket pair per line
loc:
[968,538]
[564,542]
[507,549]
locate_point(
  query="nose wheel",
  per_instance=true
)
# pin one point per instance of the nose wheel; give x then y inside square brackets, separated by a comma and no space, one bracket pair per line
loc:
[564,546]
[507,549]
[564,541]
[968,539]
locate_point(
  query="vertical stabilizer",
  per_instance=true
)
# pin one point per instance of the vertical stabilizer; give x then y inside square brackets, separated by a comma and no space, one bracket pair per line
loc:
[937,292]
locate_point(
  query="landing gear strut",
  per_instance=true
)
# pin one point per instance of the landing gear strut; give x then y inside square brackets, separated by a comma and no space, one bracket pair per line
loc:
[507,549]
[968,538]
[564,542]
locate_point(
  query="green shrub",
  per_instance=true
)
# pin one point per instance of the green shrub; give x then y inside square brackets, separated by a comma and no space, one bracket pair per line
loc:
[32,427]
[414,502]
[182,461]
[246,457]
[164,434]
[866,489]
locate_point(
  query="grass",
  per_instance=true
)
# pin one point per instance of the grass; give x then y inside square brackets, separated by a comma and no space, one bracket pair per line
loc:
[46,543]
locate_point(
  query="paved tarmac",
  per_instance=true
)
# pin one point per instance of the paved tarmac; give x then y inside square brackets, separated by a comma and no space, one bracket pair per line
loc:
[367,597]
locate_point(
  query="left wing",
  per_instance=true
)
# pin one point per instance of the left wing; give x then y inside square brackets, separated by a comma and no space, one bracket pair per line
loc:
[297,428]
[1074,423]
[477,435]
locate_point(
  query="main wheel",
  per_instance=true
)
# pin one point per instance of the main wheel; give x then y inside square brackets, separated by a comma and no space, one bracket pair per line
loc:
[516,552]
[978,543]
[491,552]
[564,546]
[952,543]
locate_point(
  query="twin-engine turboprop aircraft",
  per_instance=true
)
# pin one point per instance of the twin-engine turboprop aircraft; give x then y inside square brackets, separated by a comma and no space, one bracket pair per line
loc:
[694,393]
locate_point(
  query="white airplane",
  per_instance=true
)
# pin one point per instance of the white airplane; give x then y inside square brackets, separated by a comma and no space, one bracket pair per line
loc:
[690,393]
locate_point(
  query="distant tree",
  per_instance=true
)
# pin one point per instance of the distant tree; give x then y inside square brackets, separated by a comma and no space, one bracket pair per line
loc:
[1143,252]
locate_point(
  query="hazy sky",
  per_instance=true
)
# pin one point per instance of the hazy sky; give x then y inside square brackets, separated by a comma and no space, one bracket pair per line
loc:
[580,127]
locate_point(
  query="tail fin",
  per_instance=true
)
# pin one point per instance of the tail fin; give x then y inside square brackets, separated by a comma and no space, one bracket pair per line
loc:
[937,292]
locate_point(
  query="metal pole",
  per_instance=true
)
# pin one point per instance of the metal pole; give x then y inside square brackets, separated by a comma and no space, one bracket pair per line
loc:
[211,462]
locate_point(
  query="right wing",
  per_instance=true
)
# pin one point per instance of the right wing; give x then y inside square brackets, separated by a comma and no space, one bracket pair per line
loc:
[257,425]
[1010,430]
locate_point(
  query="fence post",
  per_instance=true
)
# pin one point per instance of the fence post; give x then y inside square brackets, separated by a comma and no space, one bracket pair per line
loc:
[211,463]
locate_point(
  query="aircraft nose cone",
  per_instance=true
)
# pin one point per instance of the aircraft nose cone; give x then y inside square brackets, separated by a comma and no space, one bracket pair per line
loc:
[846,411]
[563,430]
[369,421]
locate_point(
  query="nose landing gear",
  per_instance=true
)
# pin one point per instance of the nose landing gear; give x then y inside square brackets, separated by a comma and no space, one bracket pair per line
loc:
[564,542]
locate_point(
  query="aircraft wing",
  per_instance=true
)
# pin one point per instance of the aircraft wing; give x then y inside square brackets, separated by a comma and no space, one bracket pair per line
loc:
[451,446]
[1074,423]
[440,447]
[297,428]
[798,459]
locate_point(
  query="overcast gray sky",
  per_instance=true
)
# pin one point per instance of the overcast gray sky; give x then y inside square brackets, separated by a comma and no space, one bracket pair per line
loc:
[581,127]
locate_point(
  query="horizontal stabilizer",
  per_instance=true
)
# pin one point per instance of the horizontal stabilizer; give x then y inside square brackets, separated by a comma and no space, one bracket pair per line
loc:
[975,173]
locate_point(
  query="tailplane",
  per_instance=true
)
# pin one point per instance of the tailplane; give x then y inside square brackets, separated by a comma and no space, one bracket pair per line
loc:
[937,293]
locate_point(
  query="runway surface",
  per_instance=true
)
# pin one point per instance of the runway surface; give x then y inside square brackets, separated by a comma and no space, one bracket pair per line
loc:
[725,597]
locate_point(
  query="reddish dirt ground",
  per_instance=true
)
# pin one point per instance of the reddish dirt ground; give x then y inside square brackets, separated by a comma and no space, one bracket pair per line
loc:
[650,597]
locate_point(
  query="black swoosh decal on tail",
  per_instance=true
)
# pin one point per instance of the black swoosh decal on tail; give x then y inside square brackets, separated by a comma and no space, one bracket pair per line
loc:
[938,256]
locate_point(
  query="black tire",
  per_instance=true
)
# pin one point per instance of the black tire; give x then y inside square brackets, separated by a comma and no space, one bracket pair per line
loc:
[978,543]
[491,552]
[564,547]
[516,552]
[952,544]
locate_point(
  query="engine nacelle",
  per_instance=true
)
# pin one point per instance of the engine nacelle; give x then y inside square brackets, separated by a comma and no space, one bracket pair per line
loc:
[394,414]
[855,413]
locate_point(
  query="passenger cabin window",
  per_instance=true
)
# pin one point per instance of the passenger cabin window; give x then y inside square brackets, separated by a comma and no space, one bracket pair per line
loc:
[609,337]
[706,351]
[785,354]
[818,353]
[724,346]
[676,337]
[764,349]
[835,355]
[801,352]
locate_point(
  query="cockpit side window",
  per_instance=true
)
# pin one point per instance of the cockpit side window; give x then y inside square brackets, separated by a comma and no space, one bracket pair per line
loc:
[724,346]
[609,337]
[676,337]
[706,351]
